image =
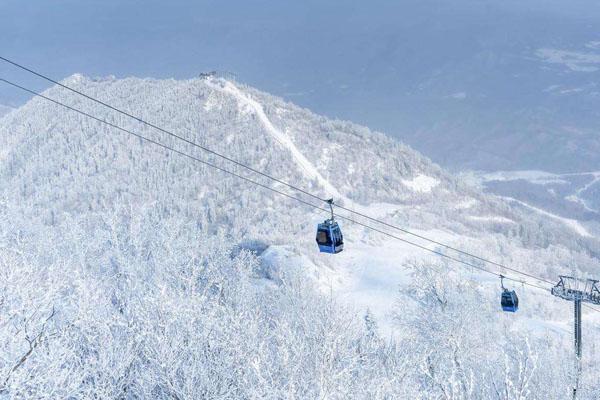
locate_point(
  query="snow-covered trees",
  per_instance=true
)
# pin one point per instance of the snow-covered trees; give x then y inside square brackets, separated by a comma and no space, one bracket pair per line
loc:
[124,269]
[158,320]
[454,353]
[168,313]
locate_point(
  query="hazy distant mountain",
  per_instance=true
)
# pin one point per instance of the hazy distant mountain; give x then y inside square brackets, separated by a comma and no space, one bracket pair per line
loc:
[481,85]
[66,165]
[574,196]
[485,85]
[336,159]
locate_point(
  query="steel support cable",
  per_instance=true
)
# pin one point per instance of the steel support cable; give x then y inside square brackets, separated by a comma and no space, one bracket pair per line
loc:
[313,206]
[351,220]
[142,121]
[300,190]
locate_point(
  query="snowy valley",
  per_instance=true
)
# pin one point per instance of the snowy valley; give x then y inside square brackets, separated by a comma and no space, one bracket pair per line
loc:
[571,198]
[128,271]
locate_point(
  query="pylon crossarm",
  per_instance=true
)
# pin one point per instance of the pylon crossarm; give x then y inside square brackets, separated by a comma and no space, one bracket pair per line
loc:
[568,288]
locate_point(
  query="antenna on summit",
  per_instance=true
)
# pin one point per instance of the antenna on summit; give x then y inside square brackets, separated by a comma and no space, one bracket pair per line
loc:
[230,76]
[206,75]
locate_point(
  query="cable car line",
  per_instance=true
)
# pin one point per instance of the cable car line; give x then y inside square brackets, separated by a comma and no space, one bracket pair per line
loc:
[138,119]
[351,220]
[298,189]
[306,203]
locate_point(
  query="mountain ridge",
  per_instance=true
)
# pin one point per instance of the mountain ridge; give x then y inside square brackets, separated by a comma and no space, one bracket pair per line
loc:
[118,238]
[393,168]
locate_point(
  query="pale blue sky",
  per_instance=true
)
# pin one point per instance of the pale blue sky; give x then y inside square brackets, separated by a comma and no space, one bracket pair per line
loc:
[403,67]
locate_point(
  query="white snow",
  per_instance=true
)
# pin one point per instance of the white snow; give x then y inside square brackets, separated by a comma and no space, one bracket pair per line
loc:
[466,204]
[459,95]
[371,277]
[211,103]
[282,256]
[596,179]
[369,274]
[491,218]
[249,104]
[575,61]
[421,183]
[576,197]
[533,176]
[571,223]
[594,44]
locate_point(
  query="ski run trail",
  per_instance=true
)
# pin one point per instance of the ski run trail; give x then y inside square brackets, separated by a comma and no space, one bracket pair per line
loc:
[309,170]
[420,183]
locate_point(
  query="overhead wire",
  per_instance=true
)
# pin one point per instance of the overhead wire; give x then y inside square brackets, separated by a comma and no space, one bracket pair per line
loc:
[268,176]
[254,182]
[439,253]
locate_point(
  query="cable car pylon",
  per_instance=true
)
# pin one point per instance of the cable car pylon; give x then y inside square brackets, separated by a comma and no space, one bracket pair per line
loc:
[577,291]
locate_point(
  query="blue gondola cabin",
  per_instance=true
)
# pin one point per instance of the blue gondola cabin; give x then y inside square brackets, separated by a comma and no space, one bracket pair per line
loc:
[329,237]
[509,301]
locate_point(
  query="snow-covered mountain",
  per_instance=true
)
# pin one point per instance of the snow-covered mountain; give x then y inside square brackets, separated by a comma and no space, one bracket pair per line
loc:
[480,85]
[572,198]
[524,101]
[107,238]
[484,85]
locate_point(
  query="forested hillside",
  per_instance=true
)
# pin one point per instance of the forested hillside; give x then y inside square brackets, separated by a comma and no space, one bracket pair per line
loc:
[128,271]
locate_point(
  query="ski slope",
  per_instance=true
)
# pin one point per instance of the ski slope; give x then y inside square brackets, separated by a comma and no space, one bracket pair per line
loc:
[282,138]
[421,183]
[116,225]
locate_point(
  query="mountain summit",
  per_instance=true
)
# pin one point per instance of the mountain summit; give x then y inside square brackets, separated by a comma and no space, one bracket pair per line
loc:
[109,227]
[65,166]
